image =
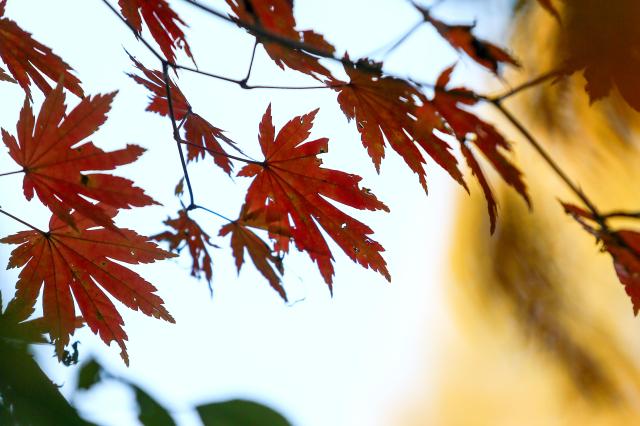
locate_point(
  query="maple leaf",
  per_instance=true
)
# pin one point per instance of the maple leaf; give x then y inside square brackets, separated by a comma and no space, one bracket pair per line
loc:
[291,183]
[155,83]
[78,264]
[30,61]
[603,41]
[622,245]
[5,77]
[163,23]
[201,137]
[189,233]
[19,328]
[276,17]
[385,107]
[262,256]
[461,37]
[470,130]
[53,159]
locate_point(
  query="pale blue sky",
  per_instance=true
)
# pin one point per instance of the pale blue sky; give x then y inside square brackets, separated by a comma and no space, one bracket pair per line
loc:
[347,360]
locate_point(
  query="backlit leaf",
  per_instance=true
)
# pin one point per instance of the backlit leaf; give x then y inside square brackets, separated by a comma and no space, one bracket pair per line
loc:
[55,160]
[79,265]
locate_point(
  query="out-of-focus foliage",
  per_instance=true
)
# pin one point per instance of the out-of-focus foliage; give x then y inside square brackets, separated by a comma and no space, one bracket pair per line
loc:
[544,334]
[239,412]
[27,396]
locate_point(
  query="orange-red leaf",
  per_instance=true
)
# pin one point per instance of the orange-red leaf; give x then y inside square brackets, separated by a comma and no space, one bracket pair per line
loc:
[276,17]
[386,108]
[461,37]
[470,130]
[30,61]
[155,83]
[53,158]
[189,233]
[261,254]
[162,21]
[624,248]
[200,136]
[77,265]
[602,39]
[290,192]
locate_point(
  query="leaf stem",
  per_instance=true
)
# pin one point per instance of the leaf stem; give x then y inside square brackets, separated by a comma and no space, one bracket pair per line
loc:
[17,219]
[222,153]
[12,173]
[221,216]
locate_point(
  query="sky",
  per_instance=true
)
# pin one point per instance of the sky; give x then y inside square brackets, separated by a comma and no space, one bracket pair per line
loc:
[348,359]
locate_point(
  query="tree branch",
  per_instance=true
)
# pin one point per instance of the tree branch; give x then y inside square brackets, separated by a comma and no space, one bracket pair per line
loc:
[176,132]
[550,161]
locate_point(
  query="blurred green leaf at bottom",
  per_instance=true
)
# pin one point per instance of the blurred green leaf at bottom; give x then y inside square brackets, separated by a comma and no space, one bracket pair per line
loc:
[238,412]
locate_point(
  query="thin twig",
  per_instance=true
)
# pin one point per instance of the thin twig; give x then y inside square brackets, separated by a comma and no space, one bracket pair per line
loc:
[621,214]
[325,86]
[253,55]
[527,85]
[243,84]
[176,132]
[386,51]
[17,219]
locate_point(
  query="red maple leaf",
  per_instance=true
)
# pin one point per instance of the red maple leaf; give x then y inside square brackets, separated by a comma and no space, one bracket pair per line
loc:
[472,131]
[71,263]
[602,40]
[387,108]
[162,21]
[622,245]
[188,233]
[276,17]
[200,136]
[461,37]
[289,194]
[53,159]
[262,256]
[29,60]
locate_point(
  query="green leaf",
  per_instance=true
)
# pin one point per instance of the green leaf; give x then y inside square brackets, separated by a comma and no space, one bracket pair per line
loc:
[239,412]
[89,375]
[151,412]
